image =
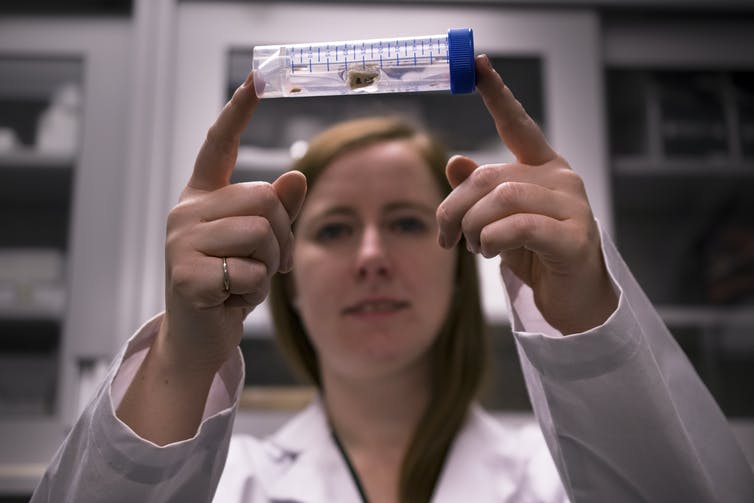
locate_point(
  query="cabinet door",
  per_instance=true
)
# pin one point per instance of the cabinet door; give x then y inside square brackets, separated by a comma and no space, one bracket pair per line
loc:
[681,109]
[40,119]
[62,101]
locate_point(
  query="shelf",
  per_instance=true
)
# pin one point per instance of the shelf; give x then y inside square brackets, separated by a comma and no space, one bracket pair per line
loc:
[30,158]
[40,186]
[682,177]
[48,304]
[29,351]
[29,336]
[32,283]
[630,166]
[43,8]
[693,120]
[707,316]
[32,313]
[35,206]
[276,398]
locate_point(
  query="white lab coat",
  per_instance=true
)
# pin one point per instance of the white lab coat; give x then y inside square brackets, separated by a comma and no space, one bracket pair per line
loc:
[487,462]
[623,413]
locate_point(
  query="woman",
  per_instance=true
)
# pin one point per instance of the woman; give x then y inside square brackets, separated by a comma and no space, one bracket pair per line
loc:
[404,327]
[379,312]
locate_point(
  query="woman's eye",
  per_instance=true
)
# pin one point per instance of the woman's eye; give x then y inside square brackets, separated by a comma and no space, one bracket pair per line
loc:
[332,231]
[409,225]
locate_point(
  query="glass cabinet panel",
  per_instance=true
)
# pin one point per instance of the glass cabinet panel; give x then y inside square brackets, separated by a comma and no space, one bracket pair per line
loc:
[683,176]
[40,124]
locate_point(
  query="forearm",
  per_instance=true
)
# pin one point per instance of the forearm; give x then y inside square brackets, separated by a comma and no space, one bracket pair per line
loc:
[165,401]
[591,310]
[164,404]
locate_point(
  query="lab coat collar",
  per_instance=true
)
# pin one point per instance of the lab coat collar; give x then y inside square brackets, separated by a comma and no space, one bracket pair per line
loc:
[308,430]
[481,466]
[316,472]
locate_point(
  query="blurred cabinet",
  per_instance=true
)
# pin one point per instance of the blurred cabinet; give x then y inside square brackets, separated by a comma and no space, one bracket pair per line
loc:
[681,127]
[62,121]
[674,188]
[40,118]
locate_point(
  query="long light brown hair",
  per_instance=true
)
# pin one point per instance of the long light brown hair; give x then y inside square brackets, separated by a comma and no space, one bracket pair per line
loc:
[458,355]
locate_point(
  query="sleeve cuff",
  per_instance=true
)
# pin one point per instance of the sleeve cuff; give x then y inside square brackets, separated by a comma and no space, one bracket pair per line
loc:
[139,459]
[576,356]
[224,391]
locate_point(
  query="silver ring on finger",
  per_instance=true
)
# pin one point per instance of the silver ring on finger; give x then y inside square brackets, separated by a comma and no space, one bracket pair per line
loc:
[226,275]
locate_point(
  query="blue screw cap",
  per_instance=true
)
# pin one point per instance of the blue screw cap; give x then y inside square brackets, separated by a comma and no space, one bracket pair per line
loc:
[461,59]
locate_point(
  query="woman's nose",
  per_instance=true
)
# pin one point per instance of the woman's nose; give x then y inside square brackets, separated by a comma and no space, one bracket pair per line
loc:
[372,260]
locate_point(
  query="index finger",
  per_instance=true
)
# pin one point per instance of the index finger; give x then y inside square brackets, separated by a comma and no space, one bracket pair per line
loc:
[517,130]
[217,156]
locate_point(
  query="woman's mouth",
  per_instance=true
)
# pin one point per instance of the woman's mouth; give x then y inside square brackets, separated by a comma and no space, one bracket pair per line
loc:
[375,307]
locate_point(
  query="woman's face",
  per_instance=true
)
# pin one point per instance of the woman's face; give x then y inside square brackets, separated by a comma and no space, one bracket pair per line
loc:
[372,285]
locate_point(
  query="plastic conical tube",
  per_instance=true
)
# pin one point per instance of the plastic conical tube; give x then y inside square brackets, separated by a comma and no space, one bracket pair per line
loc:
[406,64]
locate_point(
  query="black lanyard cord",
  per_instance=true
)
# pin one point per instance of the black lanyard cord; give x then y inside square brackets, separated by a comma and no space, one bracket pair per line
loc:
[351,469]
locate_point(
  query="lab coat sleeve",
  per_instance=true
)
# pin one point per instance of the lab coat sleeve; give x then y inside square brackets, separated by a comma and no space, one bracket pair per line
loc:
[625,416]
[103,460]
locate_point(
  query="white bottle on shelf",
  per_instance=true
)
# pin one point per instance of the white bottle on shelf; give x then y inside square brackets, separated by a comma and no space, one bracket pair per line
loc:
[59,125]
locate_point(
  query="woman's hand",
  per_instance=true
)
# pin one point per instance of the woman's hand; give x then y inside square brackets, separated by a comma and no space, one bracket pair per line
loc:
[247,224]
[533,213]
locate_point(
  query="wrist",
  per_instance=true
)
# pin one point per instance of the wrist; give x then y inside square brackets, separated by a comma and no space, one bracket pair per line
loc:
[578,309]
[593,314]
[176,354]
[166,398]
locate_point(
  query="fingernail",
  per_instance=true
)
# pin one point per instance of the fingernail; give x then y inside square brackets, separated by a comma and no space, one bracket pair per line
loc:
[259,83]
[474,248]
[285,260]
[248,78]
[289,263]
[485,62]
[290,251]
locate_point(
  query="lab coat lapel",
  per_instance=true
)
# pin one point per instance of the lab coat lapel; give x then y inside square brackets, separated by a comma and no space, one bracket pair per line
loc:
[316,471]
[484,463]
[478,467]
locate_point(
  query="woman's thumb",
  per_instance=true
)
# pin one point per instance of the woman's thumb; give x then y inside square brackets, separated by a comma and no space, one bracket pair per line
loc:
[291,189]
[458,169]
